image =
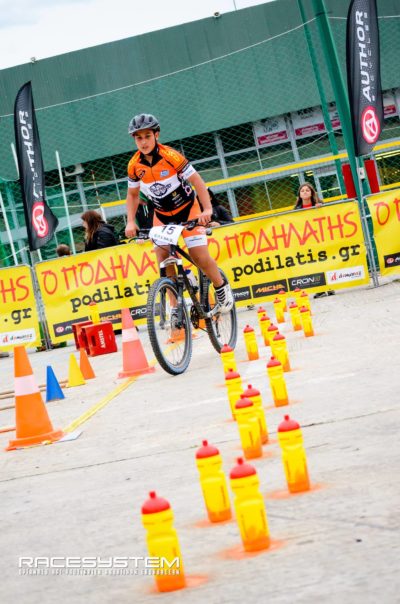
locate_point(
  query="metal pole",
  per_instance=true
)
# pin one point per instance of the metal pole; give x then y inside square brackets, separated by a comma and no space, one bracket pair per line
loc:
[67,216]
[340,92]
[40,305]
[7,225]
[231,195]
[322,96]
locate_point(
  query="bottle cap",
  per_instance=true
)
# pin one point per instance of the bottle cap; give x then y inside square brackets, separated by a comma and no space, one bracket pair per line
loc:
[293,305]
[250,391]
[288,424]
[272,327]
[242,470]
[92,303]
[282,292]
[230,374]
[206,451]
[226,348]
[304,309]
[279,336]
[247,329]
[297,290]
[273,362]
[277,301]
[265,317]
[242,403]
[155,504]
[261,309]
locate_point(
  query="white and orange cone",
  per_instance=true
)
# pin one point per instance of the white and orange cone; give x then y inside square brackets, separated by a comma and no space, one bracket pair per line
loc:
[33,425]
[134,360]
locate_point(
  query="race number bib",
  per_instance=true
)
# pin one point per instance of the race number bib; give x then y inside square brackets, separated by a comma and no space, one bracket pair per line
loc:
[169,233]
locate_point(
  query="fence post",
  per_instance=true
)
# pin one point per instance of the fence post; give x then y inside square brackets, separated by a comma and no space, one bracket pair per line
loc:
[7,225]
[67,216]
[340,92]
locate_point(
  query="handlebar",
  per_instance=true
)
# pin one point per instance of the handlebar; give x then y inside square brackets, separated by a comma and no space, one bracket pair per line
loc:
[143,234]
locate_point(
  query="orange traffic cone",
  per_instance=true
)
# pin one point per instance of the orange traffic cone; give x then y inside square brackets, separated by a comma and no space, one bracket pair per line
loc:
[134,360]
[33,425]
[85,366]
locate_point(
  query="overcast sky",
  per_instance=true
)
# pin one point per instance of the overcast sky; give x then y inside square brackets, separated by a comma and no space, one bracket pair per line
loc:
[44,28]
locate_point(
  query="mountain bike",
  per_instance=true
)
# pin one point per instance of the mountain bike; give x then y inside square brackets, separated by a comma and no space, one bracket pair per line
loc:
[170,316]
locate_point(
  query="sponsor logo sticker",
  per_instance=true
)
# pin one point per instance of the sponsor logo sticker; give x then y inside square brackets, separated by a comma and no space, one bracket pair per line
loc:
[241,293]
[305,281]
[17,337]
[39,221]
[164,172]
[392,260]
[268,289]
[355,273]
[370,125]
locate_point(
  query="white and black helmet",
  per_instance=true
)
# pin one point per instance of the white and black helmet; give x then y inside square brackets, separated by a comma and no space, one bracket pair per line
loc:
[143,121]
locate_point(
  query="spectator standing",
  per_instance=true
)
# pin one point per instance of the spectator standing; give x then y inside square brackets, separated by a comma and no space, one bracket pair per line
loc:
[98,234]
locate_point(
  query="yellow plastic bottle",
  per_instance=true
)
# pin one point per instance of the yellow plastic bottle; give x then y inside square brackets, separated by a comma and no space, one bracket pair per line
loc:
[280,351]
[260,312]
[293,455]
[250,341]
[228,358]
[94,313]
[249,505]
[271,331]
[249,428]
[234,387]
[277,382]
[297,293]
[213,483]
[162,543]
[278,308]
[295,316]
[304,300]
[265,322]
[282,296]
[255,397]
[306,321]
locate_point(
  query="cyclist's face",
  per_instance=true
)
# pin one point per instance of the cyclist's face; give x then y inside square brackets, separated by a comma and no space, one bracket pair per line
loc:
[146,140]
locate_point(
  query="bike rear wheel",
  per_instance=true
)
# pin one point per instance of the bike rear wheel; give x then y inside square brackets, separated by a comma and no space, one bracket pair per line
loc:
[221,328]
[171,343]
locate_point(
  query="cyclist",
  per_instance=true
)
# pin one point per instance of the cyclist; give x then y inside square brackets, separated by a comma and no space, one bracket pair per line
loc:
[165,177]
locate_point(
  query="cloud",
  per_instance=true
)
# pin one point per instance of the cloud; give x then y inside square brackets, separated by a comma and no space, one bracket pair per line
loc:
[26,12]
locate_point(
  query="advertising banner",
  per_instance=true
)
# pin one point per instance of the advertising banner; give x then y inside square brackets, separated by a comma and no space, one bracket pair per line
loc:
[19,322]
[364,74]
[40,220]
[385,214]
[317,249]
[271,131]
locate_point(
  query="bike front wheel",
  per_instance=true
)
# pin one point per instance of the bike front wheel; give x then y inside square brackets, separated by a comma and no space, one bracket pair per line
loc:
[221,328]
[170,339]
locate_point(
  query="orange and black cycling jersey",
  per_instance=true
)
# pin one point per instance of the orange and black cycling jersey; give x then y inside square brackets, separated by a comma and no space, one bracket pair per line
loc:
[163,181]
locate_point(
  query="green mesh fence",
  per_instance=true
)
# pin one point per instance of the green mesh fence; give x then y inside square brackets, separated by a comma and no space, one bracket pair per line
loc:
[263,134]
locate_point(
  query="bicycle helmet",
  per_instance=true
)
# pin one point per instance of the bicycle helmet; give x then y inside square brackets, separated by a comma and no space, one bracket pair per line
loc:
[143,121]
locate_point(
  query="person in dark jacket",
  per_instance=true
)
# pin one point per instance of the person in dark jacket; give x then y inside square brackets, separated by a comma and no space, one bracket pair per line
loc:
[220,215]
[98,234]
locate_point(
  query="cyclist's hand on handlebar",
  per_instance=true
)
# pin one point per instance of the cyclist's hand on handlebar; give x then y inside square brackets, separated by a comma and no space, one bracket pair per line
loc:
[131,229]
[204,218]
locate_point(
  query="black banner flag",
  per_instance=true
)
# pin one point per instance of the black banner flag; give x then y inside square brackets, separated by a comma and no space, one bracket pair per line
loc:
[363,74]
[40,220]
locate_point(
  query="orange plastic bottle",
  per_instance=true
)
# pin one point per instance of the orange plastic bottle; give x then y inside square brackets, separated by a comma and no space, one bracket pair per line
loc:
[295,316]
[265,322]
[260,312]
[249,505]
[228,358]
[213,483]
[280,351]
[249,428]
[277,382]
[306,321]
[234,387]
[293,455]
[255,397]
[162,543]
[250,341]
[278,308]
[282,296]
[297,294]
